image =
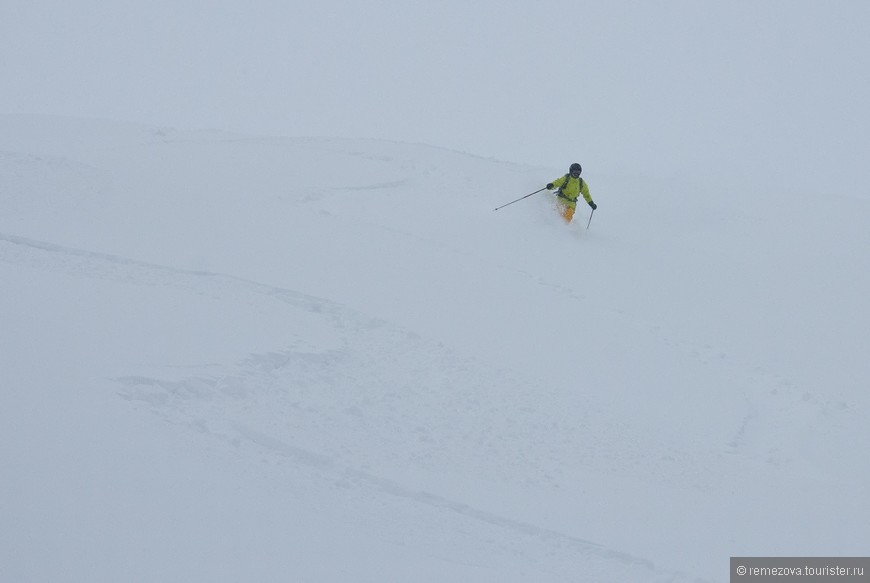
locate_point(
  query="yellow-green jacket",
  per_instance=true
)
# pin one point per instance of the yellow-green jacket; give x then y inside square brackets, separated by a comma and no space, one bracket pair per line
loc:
[571,188]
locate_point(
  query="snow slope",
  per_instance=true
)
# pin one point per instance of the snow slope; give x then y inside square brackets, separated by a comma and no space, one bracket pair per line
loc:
[228,357]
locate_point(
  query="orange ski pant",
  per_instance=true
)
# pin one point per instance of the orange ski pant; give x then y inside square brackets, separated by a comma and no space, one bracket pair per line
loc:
[566,211]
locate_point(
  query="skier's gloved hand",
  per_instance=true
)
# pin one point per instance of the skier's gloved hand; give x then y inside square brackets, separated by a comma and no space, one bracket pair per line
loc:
[550,186]
[593,205]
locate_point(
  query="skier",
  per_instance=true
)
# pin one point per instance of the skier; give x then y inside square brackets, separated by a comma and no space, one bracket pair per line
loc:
[571,186]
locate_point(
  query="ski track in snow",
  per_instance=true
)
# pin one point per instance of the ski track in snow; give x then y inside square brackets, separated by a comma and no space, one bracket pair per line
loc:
[218,405]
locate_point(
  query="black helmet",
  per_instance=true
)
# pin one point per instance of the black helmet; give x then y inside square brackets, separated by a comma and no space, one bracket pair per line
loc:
[575,169]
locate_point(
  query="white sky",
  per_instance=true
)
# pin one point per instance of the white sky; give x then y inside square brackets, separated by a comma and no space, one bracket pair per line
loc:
[770,93]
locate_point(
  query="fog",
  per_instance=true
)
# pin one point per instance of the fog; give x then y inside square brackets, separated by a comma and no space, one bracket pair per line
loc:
[233,359]
[771,95]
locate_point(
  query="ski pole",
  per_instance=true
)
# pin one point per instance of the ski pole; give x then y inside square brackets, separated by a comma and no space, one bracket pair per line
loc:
[590,219]
[519,199]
